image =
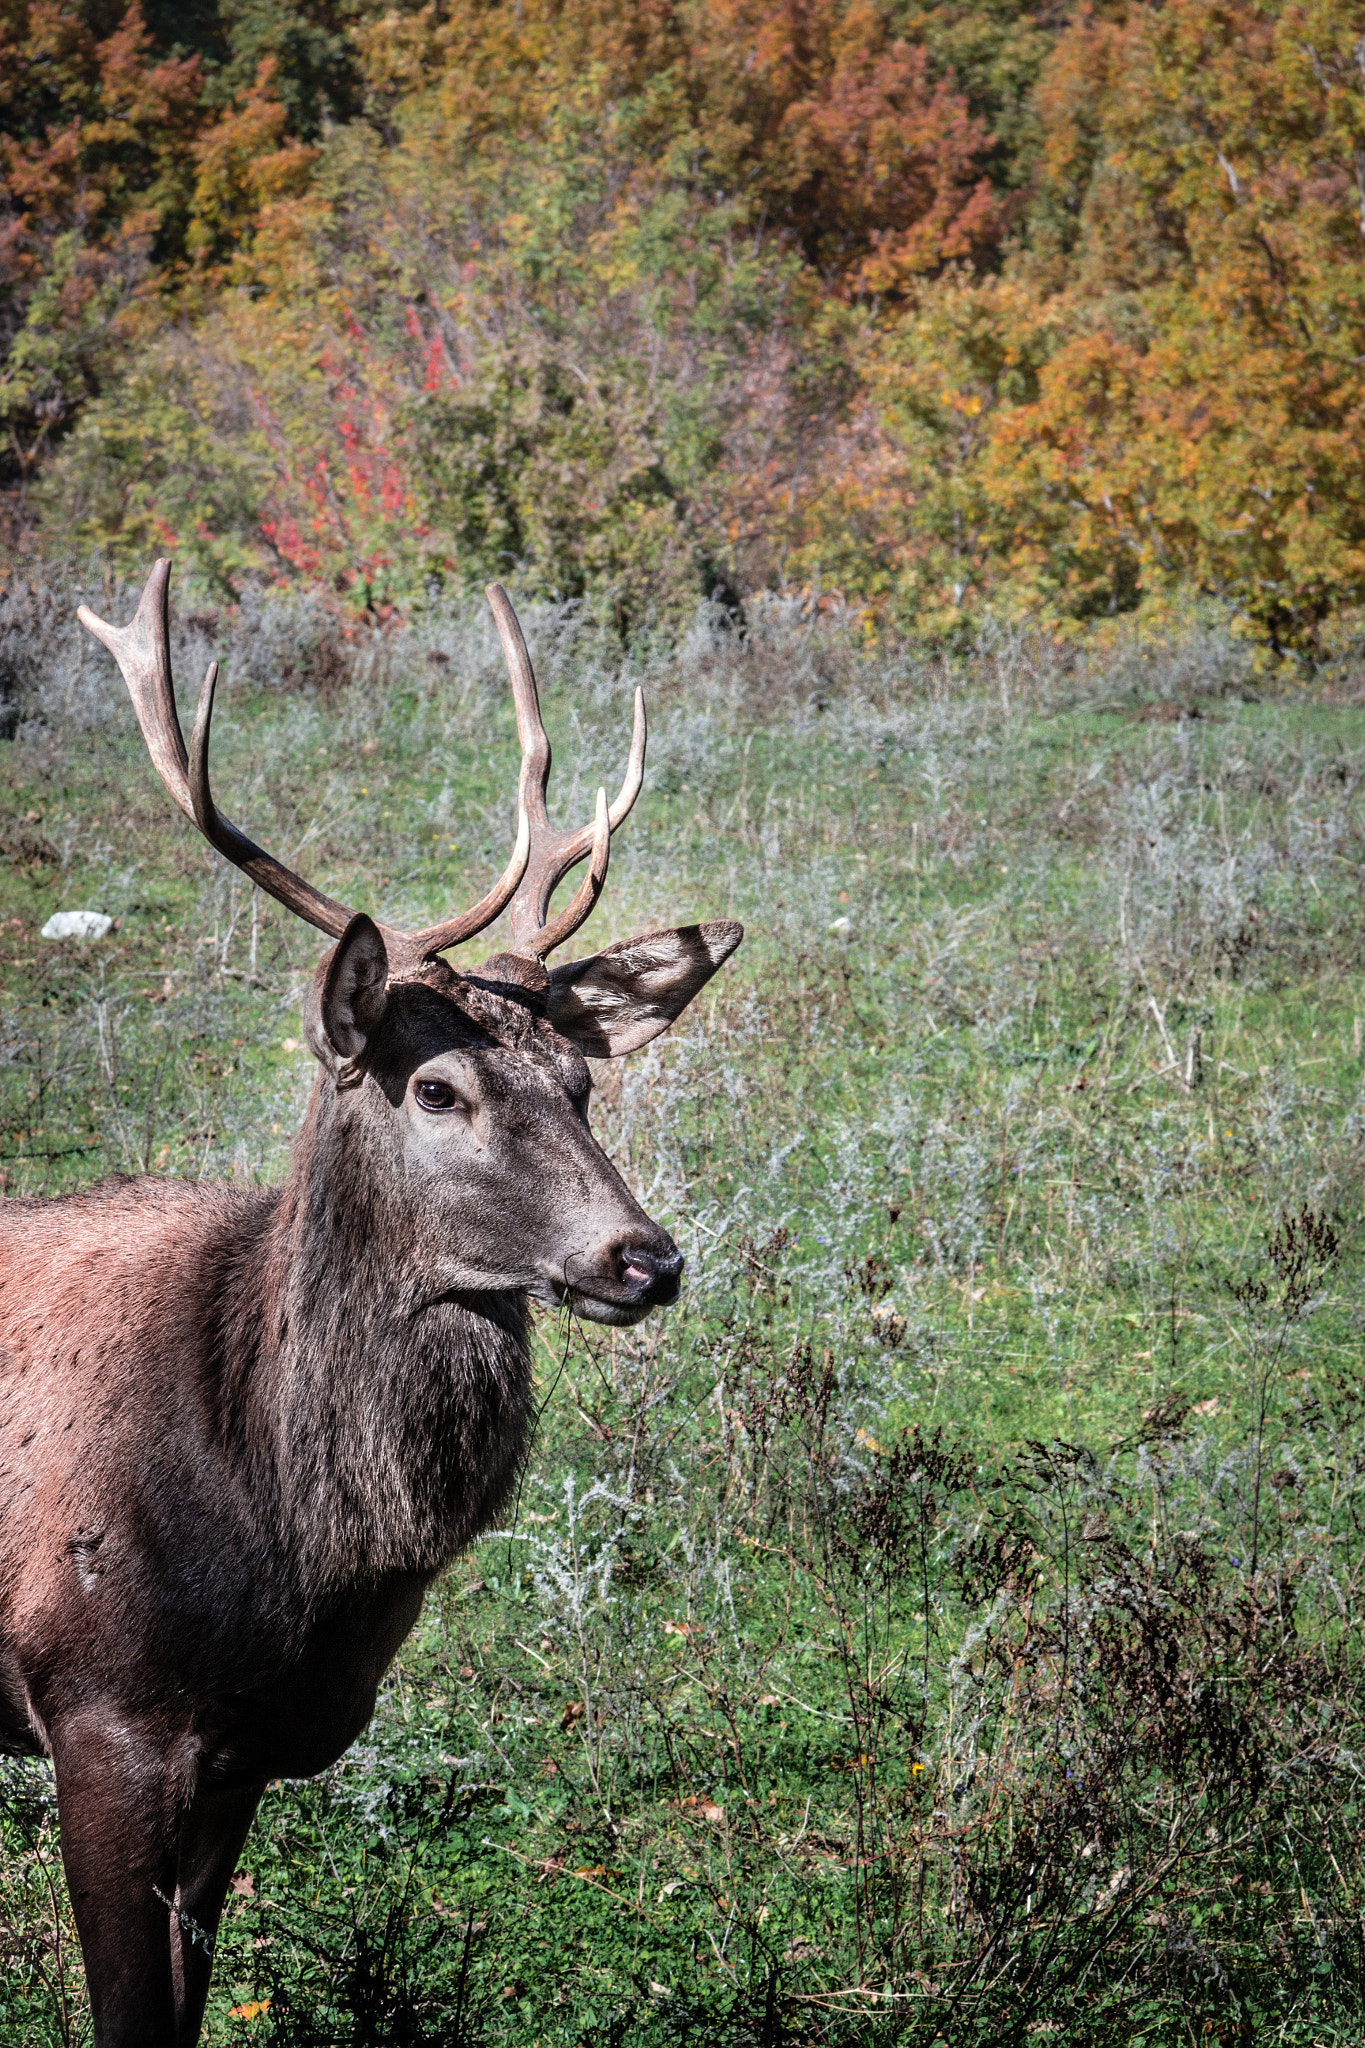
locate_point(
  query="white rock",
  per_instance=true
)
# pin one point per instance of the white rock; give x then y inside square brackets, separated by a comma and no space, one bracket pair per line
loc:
[77,924]
[842,924]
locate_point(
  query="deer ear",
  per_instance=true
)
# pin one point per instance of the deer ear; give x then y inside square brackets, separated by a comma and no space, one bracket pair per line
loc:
[349,996]
[616,1001]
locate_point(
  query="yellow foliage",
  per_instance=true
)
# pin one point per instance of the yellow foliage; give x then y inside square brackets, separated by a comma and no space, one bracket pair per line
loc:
[656,299]
[244,166]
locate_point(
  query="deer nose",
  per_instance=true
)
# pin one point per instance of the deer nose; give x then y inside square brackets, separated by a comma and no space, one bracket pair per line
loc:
[652,1271]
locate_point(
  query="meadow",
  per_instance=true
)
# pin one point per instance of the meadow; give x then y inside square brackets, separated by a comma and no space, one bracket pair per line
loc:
[943,1626]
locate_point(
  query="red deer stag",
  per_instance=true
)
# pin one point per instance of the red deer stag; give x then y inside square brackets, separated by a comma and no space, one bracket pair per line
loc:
[241,1431]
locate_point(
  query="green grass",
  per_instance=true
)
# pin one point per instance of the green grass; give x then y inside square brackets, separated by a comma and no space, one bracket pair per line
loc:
[944,1625]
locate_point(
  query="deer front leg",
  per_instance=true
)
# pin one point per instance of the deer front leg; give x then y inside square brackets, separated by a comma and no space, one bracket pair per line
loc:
[210,1842]
[121,1796]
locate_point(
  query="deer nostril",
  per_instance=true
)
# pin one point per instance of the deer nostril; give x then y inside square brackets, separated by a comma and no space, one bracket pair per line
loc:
[659,1272]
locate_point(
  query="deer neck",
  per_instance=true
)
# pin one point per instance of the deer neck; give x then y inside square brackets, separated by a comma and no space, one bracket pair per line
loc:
[396,1428]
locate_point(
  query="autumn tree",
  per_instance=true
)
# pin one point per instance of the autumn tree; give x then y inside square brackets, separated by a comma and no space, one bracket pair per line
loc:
[94,185]
[576,300]
[954,307]
[1193,262]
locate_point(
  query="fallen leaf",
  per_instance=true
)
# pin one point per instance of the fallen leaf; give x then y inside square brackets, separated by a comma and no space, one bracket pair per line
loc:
[705,1808]
[252,2010]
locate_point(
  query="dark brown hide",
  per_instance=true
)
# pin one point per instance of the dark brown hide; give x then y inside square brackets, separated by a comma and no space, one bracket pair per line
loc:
[240,1432]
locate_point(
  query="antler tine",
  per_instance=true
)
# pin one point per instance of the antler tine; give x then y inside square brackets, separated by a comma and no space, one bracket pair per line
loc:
[570,847]
[143,653]
[535,773]
[553,853]
[535,741]
[635,764]
[585,896]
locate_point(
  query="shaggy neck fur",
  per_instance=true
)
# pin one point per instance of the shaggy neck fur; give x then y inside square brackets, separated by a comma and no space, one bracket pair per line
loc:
[394,1425]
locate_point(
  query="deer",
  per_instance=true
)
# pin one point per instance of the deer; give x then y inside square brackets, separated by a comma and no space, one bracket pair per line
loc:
[244,1428]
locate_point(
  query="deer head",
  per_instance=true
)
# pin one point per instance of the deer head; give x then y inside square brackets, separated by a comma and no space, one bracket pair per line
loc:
[450,1111]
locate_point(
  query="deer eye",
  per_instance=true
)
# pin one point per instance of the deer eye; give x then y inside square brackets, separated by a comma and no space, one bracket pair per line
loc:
[437,1095]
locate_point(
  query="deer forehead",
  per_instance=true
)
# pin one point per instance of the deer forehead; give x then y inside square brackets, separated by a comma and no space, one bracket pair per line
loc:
[501,1039]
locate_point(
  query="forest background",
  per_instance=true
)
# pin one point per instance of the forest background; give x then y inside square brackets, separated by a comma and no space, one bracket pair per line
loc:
[947,1629]
[944,311]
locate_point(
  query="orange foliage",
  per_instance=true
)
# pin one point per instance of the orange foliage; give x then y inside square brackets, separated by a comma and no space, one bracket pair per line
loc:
[108,135]
[828,122]
[646,298]
[1198,241]
[243,164]
[873,165]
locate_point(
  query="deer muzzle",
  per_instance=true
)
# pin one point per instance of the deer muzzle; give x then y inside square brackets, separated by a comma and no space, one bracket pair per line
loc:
[634,1273]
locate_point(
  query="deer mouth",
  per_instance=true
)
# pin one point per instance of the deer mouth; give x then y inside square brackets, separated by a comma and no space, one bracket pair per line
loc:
[639,1279]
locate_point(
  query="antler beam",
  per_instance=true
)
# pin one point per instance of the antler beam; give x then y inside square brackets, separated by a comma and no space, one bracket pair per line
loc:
[540,858]
[143,652]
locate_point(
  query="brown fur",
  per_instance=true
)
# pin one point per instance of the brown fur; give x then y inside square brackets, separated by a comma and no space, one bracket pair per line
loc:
[240,1432]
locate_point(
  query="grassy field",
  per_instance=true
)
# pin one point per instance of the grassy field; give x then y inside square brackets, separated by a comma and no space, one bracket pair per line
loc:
[943,1626]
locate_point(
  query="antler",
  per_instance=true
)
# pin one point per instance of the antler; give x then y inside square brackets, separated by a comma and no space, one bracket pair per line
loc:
[143,652]
[553,853]
[540,858]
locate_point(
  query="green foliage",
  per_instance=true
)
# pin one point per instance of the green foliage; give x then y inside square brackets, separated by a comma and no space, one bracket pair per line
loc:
[165,464]
[311,48]
[994,50]
[946,1624]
